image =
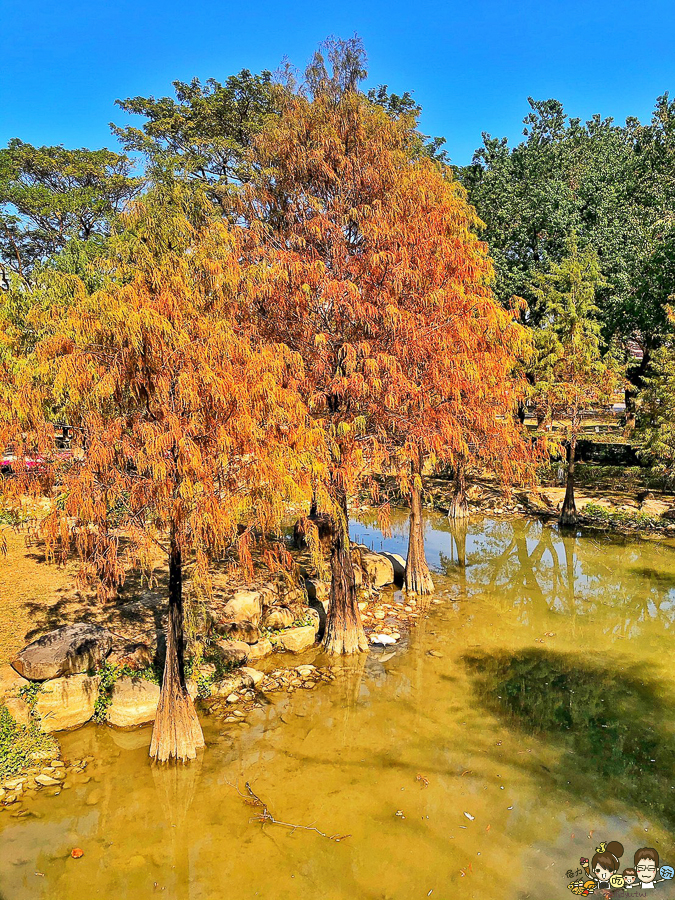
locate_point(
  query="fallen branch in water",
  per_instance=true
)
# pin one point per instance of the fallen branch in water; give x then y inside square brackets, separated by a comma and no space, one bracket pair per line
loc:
[266,816]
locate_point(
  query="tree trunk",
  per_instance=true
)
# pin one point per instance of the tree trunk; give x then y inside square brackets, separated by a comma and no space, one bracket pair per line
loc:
[417,578]
[177,732]
[344,632]
[459,506]
[568,513]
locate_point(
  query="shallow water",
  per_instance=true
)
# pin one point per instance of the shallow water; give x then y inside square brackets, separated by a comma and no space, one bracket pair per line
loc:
[547,715]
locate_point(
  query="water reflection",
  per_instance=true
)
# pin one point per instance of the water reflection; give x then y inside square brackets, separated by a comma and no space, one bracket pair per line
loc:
[615,730]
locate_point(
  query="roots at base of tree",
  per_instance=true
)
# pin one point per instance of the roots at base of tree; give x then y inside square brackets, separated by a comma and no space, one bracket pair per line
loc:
[177,733]
[568,518]
[349,641]
[459,509]
[418,580]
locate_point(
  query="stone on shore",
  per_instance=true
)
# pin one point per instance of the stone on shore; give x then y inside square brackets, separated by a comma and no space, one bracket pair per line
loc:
[377,569]
[241,631]
[244,607]
[398,564]
[278,617]
[69,650]
[261,648]
[234,653]
[317,590]
[133,702]
[253,675]
[295,640]
[66,702]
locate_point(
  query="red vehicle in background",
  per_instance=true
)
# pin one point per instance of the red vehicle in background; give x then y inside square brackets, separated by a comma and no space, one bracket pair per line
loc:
[39,464]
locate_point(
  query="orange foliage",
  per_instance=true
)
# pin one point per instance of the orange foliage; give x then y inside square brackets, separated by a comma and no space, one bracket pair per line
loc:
[369,268]
[374,275]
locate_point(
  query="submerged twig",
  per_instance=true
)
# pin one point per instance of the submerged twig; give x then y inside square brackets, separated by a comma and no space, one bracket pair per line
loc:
[265,815]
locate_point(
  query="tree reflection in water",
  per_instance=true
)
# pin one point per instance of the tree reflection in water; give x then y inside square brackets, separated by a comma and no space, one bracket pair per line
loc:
[616,730]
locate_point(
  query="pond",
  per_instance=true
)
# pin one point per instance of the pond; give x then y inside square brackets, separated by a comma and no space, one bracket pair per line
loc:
[529,716]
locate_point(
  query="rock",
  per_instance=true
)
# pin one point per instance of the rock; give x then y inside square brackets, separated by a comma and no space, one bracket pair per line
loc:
[133,702]
[232,698]
[398,564]
[18,710]
[65,651]
[278,617]
[317,590]
[259,649]
[66,702]
[11,682]
[46,780]
[244,607]
[242,631]
[377,569]
[233,653]
[228,685]
[306,671]
[654,508]
[315,616]
[94,797]
[294,640]
[133,656]
[253,674]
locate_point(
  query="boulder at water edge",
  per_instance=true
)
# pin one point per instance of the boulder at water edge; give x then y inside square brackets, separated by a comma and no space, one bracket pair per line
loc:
[65,651]
[297,639]
[378,570]
[66,702]
[134,702]
[398,564]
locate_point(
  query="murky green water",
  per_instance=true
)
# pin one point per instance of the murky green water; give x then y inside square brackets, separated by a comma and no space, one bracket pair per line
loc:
[543,724]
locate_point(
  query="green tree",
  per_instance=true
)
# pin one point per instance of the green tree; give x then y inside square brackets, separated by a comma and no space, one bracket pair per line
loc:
[52,195]
[657,411]
[569,371]
[611,184]
[206,131]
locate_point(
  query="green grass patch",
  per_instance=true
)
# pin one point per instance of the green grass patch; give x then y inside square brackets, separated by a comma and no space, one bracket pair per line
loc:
[618,517]
[18,743]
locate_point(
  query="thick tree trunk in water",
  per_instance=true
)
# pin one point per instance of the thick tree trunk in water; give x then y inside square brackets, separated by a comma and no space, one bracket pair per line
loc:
[344,632]
[417,577]
[177,732]
[459,506]
[568,513]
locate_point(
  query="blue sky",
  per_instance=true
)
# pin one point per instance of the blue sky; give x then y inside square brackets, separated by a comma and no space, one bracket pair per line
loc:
[471,64]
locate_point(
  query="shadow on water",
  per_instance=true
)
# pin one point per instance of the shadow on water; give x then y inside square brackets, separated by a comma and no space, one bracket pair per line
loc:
[615,730]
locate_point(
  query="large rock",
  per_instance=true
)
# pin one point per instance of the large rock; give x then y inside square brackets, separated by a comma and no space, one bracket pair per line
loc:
[242,631]
[654,508]
[377,569]
[261,648]
[278,617]
[234,653]
[317,590]
[398,564]
[66,702]
[11,682]
[135,655]
[295,640]
[134,702]
[65,651]
[244,607]
[254,676]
